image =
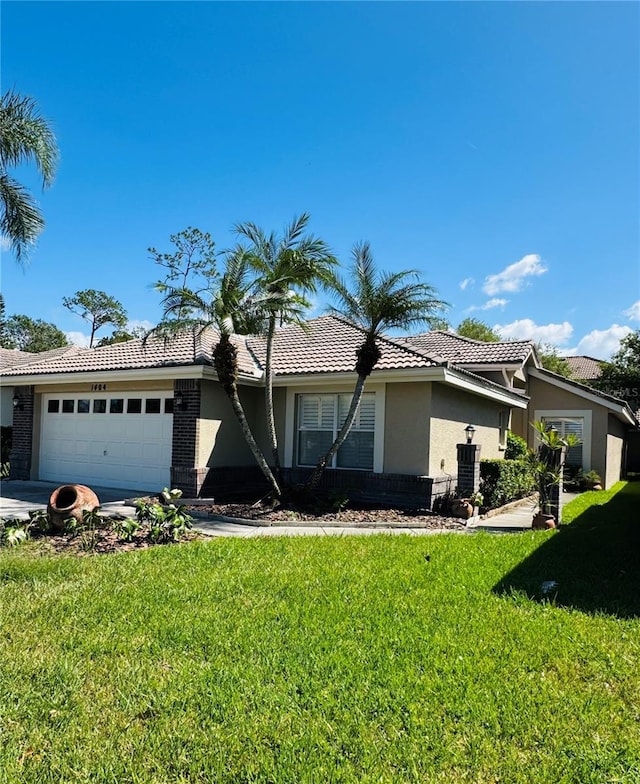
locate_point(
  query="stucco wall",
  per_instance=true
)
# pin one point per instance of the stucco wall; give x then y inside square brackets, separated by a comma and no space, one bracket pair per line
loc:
[615,450]
[407,428]
[219,440]
[451,411]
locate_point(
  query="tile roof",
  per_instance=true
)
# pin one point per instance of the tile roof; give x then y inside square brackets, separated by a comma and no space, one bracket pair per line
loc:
[584,368]
[329,345]
[465,351]
[10,358]
[185,349]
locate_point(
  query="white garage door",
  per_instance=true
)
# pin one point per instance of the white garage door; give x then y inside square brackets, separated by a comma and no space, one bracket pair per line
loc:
[121,439]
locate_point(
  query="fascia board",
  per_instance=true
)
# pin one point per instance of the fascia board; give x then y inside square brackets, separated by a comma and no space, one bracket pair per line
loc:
[506,397]
[618,408]
[97,376]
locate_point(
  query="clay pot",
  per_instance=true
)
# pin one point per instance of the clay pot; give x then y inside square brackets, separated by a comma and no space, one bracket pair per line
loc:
[543,522]
[462,507]
[70,501]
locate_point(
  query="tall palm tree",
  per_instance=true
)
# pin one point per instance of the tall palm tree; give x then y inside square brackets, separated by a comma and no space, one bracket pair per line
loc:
[287,268]
[25,137]
[375,302]
[231,307]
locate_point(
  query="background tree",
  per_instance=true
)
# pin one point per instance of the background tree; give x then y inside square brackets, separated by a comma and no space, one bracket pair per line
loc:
[477,330]
[621,376]
[287,267]
[375,302]
[552,361]
[25,137]
[98,309]
[31,335]
[121,336]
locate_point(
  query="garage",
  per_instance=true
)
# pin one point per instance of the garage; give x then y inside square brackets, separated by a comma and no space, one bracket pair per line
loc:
[122,439]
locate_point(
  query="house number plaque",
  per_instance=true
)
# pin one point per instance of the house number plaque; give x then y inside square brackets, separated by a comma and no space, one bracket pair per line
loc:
[98,387]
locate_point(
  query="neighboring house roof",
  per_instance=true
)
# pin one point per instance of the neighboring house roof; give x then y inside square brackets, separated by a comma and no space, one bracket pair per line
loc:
[10,358]
[618,406]
[465,351]
[584,368]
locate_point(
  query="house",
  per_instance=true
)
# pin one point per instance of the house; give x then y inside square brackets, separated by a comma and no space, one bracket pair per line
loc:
[603,422]
[144,415]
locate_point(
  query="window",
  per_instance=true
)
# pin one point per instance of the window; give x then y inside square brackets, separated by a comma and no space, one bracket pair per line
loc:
[152,405]
[134,405]
[68,406]
[100,406]
[319,419]
[566,426]
[116,405]
[53,406]
[84,406]
[503,426]
[168,405]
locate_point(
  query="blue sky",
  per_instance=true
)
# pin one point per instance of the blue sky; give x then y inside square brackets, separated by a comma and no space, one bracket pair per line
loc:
[493,146]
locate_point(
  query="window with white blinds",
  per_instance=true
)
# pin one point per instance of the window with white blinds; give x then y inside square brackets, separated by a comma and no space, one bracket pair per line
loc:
[319,419]
[566,426]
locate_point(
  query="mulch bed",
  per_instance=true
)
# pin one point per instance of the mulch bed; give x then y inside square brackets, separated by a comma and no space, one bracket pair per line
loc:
[352,516]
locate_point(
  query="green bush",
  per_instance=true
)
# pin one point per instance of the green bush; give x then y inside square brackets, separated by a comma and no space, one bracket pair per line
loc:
[516,447]
[502,481]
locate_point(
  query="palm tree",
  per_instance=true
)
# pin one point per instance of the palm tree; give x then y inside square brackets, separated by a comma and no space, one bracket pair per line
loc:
[232,307]
[375,302]
[287,267]
[25,137]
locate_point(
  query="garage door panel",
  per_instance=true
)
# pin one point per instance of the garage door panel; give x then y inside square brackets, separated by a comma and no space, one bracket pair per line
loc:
[117,450]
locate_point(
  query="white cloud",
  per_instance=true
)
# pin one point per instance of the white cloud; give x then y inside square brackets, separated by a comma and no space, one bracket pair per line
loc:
[466,282]
[600,343]
[5,243]
[496,302]
[633,313]
[137,324]
[526,329]
[512,278]
[78,339]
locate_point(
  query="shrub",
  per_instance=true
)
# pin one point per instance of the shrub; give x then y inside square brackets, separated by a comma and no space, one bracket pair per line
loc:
[502,481]
[516,447]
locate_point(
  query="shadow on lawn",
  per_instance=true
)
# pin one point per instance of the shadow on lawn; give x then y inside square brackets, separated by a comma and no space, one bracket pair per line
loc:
[595,561]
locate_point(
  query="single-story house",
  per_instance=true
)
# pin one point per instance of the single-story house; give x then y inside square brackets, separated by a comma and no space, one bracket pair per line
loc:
[145,415]
[602,422]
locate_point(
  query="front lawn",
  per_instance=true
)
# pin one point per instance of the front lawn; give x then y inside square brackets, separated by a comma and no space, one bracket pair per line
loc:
[373,659]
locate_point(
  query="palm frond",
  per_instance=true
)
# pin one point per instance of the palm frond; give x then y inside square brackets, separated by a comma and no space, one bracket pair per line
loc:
[20,219]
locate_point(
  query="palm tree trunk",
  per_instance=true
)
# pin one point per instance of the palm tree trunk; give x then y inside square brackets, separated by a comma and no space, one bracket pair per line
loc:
[225,360]
[314,480]
[268,398]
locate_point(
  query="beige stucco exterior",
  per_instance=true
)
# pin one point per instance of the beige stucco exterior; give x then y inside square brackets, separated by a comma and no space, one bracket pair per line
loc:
[407,428]
[603,440]
[451,411]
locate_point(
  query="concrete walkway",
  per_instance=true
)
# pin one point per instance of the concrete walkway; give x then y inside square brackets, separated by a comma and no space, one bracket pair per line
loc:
[18,498]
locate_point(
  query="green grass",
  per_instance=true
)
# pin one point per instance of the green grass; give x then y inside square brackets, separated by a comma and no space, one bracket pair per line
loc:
[373,659]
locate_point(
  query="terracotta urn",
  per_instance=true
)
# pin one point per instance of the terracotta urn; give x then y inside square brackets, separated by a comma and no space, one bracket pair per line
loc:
[69,501]
[543,522]
[462,507]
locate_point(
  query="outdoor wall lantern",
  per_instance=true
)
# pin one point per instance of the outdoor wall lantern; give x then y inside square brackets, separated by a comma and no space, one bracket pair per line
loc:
[17,401]
[469,430]
[178,401]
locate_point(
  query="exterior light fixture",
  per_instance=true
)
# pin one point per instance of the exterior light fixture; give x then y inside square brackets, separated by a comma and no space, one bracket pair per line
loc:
[178,401]
[469,430]
[17,401]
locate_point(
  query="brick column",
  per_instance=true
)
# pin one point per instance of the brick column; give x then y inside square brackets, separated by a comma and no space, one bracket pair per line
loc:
[22,434]
[185,474]
[468,469]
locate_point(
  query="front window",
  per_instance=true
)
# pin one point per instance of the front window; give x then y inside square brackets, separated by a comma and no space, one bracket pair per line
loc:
[319,419]
[566,426]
